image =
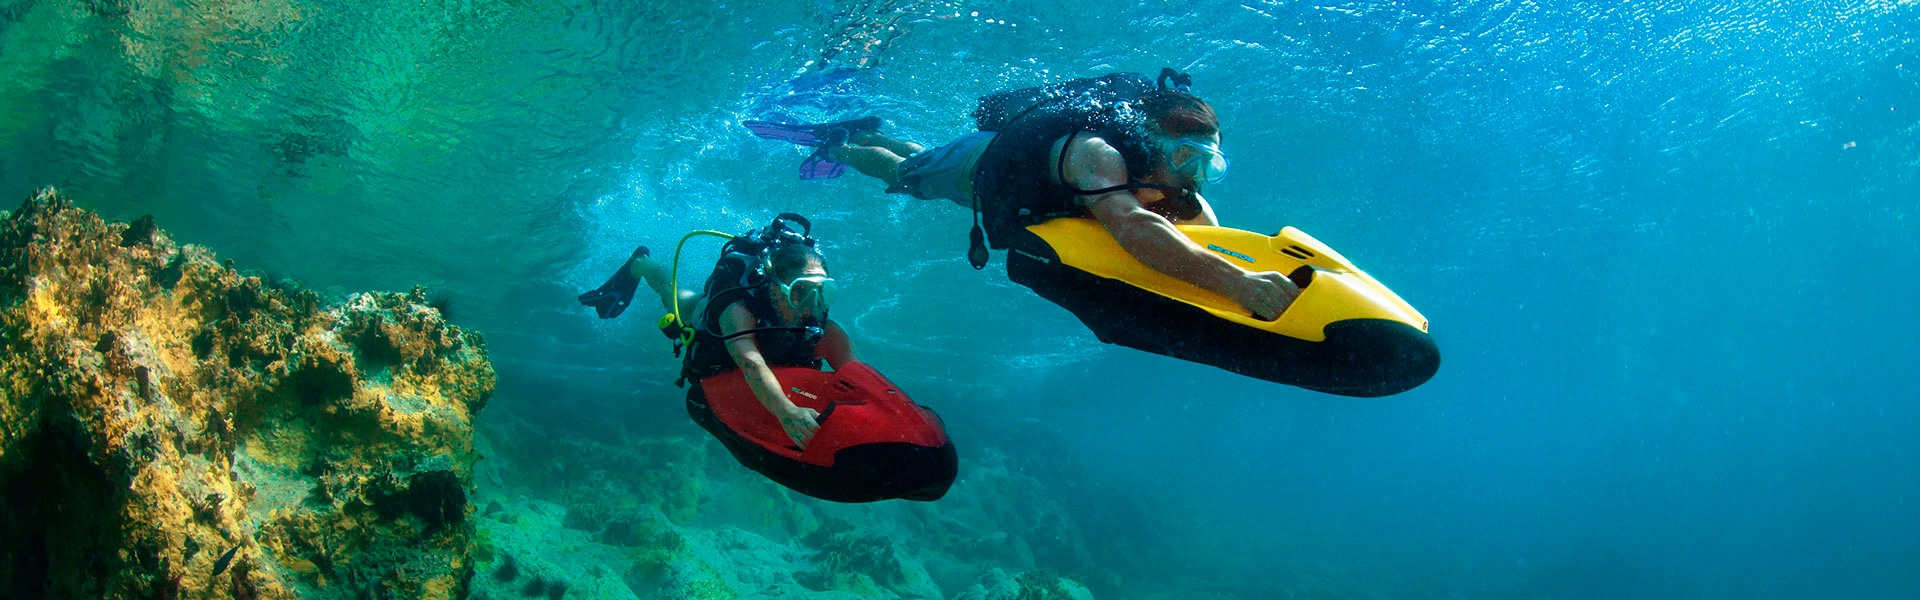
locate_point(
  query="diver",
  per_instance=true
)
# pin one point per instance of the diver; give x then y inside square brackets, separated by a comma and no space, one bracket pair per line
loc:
[762,331]
[1131,153]
[767,309]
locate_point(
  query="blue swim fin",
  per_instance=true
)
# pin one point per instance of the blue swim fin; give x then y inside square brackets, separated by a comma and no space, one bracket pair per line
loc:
[822,134]
[819,166]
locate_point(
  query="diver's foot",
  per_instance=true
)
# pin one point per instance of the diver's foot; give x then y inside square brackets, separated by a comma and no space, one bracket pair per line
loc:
[825,137]
[833,136]
[821,165]
[822,134]
[612,297]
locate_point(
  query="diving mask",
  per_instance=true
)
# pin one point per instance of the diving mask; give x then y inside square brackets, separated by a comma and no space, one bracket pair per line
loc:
[810,293]
[1200,159]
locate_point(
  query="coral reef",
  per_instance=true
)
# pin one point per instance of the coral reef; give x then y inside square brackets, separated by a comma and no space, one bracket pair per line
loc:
[172,428]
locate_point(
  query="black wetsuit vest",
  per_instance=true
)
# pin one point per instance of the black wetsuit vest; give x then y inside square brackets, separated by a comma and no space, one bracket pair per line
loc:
[1014,184]
[781,346]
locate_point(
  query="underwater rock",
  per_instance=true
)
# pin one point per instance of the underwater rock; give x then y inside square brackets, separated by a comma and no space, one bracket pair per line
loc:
[996,584]
[158,408]
[537,557]
[855,559]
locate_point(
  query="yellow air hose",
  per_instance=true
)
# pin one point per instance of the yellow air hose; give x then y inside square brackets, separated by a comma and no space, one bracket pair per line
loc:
[674,319]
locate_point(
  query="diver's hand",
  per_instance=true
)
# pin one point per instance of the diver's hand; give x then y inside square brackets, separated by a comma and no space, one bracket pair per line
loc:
[1266,294]
[800,423]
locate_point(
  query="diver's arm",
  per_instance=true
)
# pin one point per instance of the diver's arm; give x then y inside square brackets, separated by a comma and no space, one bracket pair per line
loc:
[835,346]
[1151,238]
[799,422]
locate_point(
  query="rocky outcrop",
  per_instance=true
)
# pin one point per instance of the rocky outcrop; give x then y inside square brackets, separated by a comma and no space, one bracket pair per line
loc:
[170,427]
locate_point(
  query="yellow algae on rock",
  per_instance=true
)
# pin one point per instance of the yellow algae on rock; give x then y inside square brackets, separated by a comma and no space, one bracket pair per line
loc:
[158,409]
[300,565]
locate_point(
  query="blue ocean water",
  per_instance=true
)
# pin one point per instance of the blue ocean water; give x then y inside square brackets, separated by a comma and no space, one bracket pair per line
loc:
[1668,249]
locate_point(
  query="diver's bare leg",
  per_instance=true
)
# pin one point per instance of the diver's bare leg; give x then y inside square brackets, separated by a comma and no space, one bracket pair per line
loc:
[875,138]
[873,161]
[660,281]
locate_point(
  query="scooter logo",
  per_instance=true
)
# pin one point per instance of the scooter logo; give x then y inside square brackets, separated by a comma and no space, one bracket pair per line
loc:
[1032,256]
[1231,253]
[804,393]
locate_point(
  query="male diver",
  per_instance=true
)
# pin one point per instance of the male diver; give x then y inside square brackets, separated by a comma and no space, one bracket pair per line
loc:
[1135,162]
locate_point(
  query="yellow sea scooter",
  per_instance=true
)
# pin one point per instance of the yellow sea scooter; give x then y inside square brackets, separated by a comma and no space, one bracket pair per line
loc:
[1346,334]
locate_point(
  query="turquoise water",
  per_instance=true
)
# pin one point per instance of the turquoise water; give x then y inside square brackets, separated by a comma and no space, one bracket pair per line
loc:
[1668,250]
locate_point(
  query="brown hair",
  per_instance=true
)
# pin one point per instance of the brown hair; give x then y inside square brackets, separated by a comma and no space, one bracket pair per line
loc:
[1179,114]
[788,260]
